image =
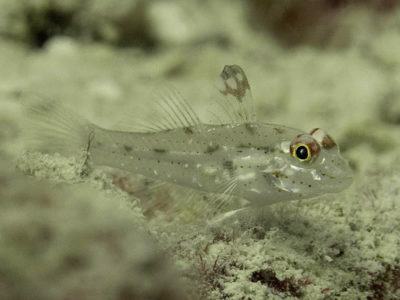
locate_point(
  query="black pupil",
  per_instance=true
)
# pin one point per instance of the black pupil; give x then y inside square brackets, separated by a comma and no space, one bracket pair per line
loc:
[301,152]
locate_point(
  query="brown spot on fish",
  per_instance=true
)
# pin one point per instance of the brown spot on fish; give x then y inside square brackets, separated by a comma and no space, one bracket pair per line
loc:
[211,148]
[277,174]
[128,148]
[266,149]
[278,130]
[158,150]
[328,142]
[188,130]
[227,164]
[323,138]
[243,146]
[250,128]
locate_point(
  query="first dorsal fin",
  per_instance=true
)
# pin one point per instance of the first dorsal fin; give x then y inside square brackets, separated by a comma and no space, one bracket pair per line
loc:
[234,104]
[237,101]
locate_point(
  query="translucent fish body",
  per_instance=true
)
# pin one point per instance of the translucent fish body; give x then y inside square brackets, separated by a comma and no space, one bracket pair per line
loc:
[263,163]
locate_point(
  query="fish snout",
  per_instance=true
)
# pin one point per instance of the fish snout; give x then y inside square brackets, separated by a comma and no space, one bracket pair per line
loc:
[338,175]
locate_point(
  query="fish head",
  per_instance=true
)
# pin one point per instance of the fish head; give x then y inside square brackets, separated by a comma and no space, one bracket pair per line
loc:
[309,165]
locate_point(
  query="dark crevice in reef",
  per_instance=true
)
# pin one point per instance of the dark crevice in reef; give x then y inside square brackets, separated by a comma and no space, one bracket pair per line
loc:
[268,277]
[314,22]
[45,22]
[386,283]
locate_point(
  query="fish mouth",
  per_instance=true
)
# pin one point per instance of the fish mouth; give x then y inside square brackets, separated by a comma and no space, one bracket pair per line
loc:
[339,184]
[337,178]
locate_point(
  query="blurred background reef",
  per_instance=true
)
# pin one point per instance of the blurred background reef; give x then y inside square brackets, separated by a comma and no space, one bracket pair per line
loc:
[333,64]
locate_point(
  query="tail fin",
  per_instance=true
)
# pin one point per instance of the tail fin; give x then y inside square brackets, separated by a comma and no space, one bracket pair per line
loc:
[51,127]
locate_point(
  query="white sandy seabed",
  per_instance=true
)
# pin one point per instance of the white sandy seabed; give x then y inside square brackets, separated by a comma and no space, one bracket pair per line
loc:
[68,236]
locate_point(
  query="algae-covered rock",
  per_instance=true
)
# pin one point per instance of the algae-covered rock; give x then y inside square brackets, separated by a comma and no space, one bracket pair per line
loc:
[76,231]
[76,243]
[35,22]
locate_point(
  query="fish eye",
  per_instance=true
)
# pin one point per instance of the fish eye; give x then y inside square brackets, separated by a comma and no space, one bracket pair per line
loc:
[304,148]
[302,152]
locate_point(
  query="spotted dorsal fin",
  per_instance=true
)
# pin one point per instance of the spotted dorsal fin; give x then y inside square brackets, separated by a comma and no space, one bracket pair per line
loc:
[236,101]
[170,110]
